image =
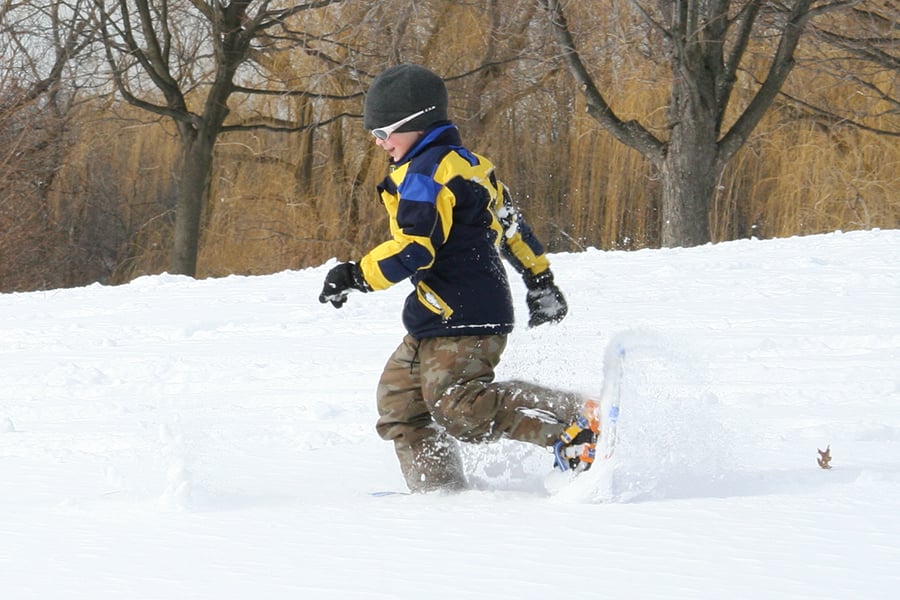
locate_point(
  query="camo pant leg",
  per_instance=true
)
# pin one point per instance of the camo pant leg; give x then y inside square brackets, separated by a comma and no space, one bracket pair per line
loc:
[439,386]
[462,396]
[429,458]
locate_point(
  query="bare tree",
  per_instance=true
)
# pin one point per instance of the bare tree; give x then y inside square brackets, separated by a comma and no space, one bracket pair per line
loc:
[39,42]
[706,45]
[184,60]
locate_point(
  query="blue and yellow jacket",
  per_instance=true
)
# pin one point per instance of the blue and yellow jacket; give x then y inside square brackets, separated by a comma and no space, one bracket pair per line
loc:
[445,208]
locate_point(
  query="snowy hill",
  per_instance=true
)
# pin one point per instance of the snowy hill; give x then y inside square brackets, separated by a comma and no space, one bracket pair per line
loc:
[181,439]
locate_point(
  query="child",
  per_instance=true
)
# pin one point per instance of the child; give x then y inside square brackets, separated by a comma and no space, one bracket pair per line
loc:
[448,215]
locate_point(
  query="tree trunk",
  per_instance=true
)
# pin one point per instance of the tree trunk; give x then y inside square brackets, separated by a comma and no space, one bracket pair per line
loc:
[193,186]
[689,175]
[690,168]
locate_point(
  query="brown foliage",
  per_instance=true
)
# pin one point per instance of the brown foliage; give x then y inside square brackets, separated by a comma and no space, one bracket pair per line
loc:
[33,249]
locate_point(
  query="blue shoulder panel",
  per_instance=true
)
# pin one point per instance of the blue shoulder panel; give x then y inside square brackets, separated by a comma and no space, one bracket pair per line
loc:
[419,187]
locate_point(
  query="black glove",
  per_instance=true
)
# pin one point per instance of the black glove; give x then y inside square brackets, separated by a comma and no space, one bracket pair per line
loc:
[340,280]
[546,304]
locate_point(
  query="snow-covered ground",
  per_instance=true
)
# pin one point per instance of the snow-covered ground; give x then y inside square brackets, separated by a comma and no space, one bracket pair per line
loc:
[175,439]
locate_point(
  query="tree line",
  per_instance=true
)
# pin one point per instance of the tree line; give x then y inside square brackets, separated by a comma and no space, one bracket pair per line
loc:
[206,138]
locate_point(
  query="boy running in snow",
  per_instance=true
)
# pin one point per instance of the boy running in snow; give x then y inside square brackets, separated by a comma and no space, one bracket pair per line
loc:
[449,215]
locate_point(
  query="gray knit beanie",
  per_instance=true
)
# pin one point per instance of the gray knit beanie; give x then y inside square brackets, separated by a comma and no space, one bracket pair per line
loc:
[402,91]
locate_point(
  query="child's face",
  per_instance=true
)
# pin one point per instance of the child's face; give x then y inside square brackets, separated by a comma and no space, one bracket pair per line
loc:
[399,143]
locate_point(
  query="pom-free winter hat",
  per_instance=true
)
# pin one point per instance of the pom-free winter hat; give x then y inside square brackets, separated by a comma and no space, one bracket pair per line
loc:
[402,91]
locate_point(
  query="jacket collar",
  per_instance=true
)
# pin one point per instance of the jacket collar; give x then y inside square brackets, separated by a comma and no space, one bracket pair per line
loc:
[443,133]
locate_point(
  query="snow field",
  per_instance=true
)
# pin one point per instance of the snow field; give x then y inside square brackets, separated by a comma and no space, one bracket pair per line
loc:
[174,438]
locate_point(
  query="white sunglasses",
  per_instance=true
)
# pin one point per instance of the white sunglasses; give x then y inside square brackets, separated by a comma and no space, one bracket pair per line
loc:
[383,133]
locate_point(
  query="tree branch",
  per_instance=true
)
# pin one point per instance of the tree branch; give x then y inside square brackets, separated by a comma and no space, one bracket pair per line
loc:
[295,93]
[747,19]
[781,66]
[630,133]
[267,125]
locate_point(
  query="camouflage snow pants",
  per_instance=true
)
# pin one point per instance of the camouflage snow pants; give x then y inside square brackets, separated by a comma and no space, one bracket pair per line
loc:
[436,389]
